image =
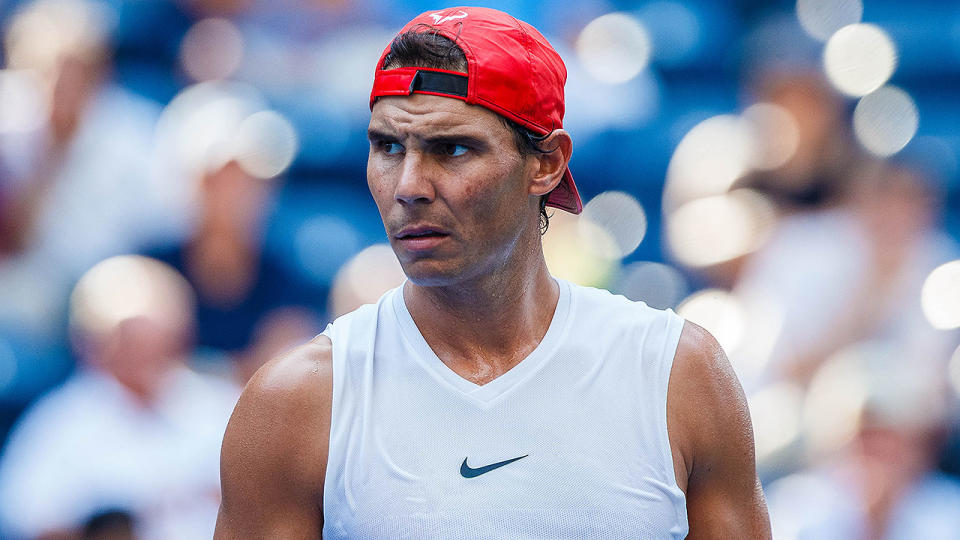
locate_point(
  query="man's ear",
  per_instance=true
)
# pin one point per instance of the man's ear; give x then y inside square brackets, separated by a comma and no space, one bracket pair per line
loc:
[551,164]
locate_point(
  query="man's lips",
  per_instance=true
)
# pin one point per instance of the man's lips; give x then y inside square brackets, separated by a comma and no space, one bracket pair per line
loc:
[420,231]
[421,237]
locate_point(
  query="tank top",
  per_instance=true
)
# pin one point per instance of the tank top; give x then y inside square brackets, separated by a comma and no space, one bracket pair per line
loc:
[569,443]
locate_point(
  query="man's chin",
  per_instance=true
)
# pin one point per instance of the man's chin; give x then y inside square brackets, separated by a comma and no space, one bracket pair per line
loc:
[426,273]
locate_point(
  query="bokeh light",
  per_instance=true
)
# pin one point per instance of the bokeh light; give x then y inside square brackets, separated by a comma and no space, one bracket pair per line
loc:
[776,415]
[874,377]
[22,108]
[365,278]
[885,121]
[46,30]
[614,48]
[593,108]
[954,371]
[710,158]
[835,398]
[212,123]
[790,520]
[821,18]
[658,285]
[674,31]
[125,287]
[197,127]
[716,229]
[940,296]
[859,58]
[579,252]
[620,216]
[266,144]
[719,312]
[776,135]
[211,49]
[765,319]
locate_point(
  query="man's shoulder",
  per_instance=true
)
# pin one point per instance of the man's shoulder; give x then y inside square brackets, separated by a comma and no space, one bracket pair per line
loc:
[701,368]
[698,346]
[712,441]
[273,461]
[707,409]
[282,419]
[294,389]
[298,376]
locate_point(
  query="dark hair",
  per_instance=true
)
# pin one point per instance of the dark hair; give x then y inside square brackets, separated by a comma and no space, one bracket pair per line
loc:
[111,523]
[425,47]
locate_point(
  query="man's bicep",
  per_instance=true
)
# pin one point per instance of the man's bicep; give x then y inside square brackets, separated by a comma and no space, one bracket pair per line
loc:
[260,499]
[727,501]
[274,453]
[710,415]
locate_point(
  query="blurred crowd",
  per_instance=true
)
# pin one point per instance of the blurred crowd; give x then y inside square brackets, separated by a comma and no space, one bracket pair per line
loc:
[182,197]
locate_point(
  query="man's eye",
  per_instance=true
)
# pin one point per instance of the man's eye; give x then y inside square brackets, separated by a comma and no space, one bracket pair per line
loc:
[391,147]
[453,150]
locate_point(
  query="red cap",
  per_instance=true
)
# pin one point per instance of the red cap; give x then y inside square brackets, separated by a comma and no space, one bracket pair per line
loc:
[511,70]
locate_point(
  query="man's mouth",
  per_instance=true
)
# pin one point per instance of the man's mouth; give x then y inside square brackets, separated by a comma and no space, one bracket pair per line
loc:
[420,232]
[421,237]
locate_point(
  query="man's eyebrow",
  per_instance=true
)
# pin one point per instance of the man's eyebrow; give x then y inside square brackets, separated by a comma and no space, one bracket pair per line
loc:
[468,140]
[374,134]
[377,135]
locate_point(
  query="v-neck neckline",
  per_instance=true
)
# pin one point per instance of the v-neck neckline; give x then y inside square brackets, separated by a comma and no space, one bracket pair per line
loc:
[485,394]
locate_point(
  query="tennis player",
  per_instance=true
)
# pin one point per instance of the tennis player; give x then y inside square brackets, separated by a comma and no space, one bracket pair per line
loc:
[485,398]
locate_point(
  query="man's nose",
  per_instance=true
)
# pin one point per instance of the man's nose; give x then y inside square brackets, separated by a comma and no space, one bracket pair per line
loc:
[416,180]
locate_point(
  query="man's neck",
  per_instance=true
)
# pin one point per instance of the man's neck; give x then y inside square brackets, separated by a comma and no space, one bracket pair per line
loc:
[482,328]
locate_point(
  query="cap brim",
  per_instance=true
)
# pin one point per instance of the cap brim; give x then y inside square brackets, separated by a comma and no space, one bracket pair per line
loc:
[565,196]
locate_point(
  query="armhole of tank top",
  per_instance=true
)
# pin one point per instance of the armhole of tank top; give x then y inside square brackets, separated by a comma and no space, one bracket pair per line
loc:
[343,401]
[671,341]
[331,332]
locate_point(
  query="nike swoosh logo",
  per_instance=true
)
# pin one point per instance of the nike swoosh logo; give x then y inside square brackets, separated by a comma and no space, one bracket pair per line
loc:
[467,471]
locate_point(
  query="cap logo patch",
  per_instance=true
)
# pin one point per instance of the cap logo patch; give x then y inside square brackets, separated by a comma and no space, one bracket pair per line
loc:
[440,18]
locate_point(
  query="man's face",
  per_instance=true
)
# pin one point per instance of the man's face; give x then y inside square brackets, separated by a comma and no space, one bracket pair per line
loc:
[451,186]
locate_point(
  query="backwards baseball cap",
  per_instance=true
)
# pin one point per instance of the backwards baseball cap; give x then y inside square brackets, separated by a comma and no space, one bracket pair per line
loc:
[511,70]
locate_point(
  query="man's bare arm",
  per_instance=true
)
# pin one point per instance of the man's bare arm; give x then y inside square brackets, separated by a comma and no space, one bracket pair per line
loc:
[274,452]
[712,440]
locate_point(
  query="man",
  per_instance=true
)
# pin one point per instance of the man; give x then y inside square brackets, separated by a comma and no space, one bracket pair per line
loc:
[94,143]
[130,441]
[883,481]
[484,398]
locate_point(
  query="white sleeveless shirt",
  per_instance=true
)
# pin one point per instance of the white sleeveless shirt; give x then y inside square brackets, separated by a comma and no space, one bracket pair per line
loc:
[570,443]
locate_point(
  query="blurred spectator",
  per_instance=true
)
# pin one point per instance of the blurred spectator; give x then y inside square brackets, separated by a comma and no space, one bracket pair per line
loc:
[364,279]
[82,177]
[815,173]
[79,182]
[819,151]
[278,331]
[882,483]
[238,283]
[789,153]
[853,272]
[134,431]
